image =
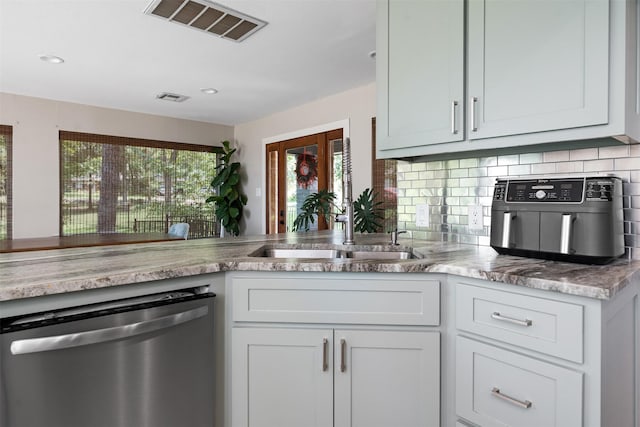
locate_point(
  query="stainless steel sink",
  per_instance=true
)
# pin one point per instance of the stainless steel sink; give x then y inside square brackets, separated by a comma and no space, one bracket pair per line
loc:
[333,254]
[303,253]
[380,255]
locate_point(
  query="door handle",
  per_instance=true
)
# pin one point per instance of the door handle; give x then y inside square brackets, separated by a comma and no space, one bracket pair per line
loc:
[325,361]
[57,342]
[506,229]
[474,124]
[565,233]
[343,355]
[454,108]
[281,213]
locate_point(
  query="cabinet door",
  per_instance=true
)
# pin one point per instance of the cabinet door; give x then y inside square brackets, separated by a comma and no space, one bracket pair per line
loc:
[419,68]
[281,377]
[536,66]
[387,378]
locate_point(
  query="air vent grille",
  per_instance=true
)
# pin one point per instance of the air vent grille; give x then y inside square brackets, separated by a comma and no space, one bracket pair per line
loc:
[166,96]
[206,16]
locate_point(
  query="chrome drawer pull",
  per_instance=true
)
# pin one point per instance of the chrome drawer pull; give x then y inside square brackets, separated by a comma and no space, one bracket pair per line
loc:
[496,392]
[325,362]
[526,322]
[343,355]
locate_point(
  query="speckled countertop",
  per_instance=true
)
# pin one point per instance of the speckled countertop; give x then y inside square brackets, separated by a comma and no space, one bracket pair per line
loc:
[31,274]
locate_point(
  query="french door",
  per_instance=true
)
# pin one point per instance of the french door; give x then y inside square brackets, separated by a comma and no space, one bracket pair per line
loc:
[297,168]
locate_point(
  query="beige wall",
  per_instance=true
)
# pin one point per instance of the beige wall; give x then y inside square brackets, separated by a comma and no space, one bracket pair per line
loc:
[356,107]
[36,123]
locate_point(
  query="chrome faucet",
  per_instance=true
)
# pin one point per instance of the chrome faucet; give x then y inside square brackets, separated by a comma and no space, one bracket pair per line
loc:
[347,217]
[394,236]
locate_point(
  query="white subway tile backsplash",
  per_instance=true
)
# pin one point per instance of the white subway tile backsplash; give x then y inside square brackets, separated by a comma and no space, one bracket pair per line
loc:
[468,163]
[488,161]
[543,168]
[478,172]
[450,186]
[530,158]
[598,165]
[570,167]
[498,171]
[508,160]
[518,170]
[613,152]
[432,166]
[556,156]
[459,173]
[583,154]
[628,163]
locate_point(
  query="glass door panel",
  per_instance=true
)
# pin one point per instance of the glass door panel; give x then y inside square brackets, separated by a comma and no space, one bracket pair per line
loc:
[302,180]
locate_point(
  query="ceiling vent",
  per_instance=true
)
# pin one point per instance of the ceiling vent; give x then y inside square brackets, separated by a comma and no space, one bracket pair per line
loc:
[166,96]
[206,16]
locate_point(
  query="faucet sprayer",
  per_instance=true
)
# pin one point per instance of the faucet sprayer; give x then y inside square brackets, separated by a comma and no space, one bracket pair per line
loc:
[347,217]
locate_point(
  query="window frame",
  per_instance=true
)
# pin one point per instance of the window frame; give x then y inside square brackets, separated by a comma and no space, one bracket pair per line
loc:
[64,135]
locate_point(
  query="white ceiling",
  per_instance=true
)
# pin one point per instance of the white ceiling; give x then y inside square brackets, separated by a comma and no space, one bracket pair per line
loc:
[118,57]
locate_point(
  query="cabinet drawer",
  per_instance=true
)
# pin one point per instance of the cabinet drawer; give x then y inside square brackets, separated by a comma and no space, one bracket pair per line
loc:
[547,326]
[496,387]
[326,299]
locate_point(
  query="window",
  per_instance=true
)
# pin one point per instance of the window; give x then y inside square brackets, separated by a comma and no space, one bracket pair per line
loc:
[5,182]
[124,185]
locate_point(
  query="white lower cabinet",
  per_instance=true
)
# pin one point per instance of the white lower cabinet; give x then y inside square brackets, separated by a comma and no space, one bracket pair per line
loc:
[325,377]
[496,387]
[282,377]
[344,350]
[386,378]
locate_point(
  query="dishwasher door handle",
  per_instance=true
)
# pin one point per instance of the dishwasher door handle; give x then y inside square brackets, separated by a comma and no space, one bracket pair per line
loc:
[57,342]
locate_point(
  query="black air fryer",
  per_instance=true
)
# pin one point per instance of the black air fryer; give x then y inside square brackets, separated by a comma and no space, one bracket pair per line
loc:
[576,219]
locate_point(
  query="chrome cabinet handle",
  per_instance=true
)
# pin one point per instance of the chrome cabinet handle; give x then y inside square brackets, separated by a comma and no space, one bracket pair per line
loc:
[343,355]
[454,107]
[56,342]
[496,315]
[325,361]
[474,125]
[565,233]
[506,229]
[496,392]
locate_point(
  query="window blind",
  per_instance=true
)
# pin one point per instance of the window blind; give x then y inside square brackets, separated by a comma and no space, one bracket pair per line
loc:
[112,184]
[6,133]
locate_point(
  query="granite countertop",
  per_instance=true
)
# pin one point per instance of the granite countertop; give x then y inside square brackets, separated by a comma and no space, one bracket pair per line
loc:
[31,274]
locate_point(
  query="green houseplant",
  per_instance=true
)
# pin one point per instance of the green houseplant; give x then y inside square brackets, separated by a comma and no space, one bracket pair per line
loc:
[228,200]
[366,211]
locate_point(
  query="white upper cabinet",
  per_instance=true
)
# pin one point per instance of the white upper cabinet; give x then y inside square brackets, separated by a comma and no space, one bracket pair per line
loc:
[465,75]
[420,71]
[536,66]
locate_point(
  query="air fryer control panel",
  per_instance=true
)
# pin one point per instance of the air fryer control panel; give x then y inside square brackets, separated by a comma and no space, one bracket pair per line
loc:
[560,190]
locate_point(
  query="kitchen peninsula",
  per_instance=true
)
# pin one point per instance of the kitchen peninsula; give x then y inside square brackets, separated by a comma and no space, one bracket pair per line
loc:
[477,329]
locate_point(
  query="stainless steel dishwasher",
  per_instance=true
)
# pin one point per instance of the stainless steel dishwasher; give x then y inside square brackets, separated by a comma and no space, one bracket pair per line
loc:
[138,362]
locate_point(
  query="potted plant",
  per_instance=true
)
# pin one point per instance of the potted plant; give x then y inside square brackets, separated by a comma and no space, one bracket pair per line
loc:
[366,211]
[228,200]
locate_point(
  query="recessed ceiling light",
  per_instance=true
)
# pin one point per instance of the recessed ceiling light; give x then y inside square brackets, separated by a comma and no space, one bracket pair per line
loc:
[52,59]
[209,90]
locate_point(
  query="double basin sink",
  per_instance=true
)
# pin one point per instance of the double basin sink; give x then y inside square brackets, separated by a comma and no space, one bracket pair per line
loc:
[373,253]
